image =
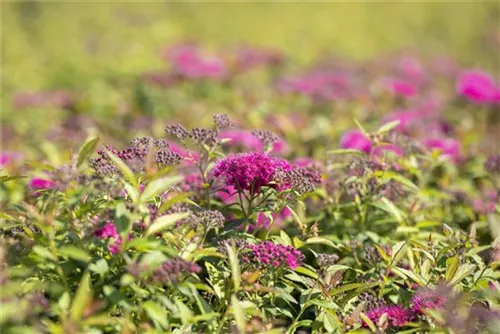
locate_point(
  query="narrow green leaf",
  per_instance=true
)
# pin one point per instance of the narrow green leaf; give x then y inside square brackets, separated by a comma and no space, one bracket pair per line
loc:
[164,222]
[156,313]
[235,267]
[128,174]
[462,272]
[86,151]
[82,298]
[451,268]
[388,126]
[158,187]
[75,253]
[239,314]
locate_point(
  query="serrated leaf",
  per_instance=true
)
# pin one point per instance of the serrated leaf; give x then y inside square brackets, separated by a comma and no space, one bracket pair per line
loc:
[86,151]
[166,221]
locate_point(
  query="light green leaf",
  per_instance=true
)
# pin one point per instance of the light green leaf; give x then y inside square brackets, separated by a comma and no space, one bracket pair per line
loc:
[158,187]
[82,297]
[235,267]
[124,169]
[86,151]
[75,253]
[388,126]
[166,221]
[239,314]
[156,313]
[451,268]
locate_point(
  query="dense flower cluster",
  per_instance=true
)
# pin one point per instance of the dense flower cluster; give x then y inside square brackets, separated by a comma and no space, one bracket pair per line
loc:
[478,87]
[173,270]
[268,253]
[427,299]
[249,171]
[108,231]
[397,316]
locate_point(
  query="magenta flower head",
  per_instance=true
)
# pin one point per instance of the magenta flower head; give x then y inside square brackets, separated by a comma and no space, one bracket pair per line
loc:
[401,88]
[249,171]
[397,316]
[108,231]
[477,86]
[190,62]
[449,147]
[427,299]
[356,140]
[267,253]
[37,183]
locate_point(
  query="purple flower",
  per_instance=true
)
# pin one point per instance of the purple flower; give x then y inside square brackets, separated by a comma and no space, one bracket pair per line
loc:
[397,316]
[449,147]
[173,270]
[249,171]
[356,140]
[108,231]
[37,183]
[477,86]
[268,253]
[427,299]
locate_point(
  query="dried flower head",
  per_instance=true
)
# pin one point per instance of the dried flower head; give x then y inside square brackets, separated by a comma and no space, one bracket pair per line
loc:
[174,270]
[177,131]
[326,260]
[211,218]
[222,121]
[266,137]
[492,165]
[204,136]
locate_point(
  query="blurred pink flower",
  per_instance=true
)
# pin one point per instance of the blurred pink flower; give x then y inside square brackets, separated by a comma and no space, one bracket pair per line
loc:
[190,62]
[401,88]
[406,118]
[411,68]
[263,222]
[355,139]
[477,86]
[449,147]
[37,183]
[189,158]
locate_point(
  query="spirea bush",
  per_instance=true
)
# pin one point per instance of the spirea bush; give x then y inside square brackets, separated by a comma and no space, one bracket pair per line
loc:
[388,225]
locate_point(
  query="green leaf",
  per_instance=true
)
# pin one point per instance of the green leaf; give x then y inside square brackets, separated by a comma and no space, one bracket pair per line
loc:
[75,253]
[184,312]
[44,252]
[124,169]
[156,313]
[320,240]
[388,126]
[398,252]
[462,272]
[86,151]
[100,267]
[82,298]
[158,187]
[235,266]
[7,178]
[346,151]
[306,272]
[166,221]
[408,273]
[239,314]
[451,268]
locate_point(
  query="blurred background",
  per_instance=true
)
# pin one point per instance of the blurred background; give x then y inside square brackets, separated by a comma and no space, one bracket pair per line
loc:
[97,50]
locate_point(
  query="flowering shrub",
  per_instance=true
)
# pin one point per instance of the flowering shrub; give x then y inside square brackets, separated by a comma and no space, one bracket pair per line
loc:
[291,216]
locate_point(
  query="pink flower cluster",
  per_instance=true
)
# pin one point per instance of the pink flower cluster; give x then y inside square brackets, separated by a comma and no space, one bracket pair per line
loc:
[478,87]
[270,254]
[248,171]
[190,62]
[37,183]
[397,316]
[108,231]
[321,85]
[427,299]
